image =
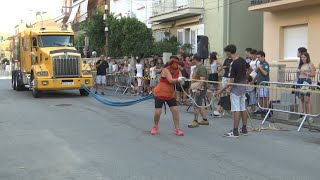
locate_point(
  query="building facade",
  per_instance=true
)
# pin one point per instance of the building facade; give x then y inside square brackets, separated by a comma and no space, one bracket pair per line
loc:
[77,11]
[5,46]
[288,25]
[222,21]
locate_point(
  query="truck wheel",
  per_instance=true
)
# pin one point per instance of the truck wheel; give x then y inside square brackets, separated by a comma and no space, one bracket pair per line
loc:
[19,87]
[36,93]
[13,80]
[83,92]
[18,84]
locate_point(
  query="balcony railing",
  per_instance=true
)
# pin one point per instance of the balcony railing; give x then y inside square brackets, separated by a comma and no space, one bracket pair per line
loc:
[258,2]
[174,5]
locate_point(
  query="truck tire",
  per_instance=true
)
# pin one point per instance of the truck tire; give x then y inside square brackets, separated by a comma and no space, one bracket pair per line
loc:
[18,83]
[36,93]
[19,87]
[13,80]
[83,92]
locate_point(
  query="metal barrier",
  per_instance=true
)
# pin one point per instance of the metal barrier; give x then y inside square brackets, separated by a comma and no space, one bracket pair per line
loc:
[110,79]
[282,99]
[290,75]
[122,82]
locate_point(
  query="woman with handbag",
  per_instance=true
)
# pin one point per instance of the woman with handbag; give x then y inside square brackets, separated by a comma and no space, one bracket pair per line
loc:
[306,71]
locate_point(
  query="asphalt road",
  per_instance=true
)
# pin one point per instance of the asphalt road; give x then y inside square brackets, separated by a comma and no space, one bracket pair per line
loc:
[64,136]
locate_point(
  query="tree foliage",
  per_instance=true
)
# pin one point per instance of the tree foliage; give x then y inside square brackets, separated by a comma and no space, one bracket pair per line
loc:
[138,39]
[127,37]
[5,60]
[169,44]
[94,30]
[116,36]
[79,41]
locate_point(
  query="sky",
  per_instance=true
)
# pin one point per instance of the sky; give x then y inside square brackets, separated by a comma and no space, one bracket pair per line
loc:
[13,11]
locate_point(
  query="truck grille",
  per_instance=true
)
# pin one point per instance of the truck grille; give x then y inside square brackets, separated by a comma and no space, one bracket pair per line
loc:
[66,66]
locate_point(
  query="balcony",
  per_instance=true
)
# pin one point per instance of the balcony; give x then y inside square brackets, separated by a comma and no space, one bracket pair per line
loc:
[170,10]
[278,5]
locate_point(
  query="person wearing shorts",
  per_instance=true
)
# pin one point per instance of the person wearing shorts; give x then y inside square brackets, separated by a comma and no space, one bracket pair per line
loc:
[226,67]
[263,76]
[224,104]
[101,67]
[306,71]
[164,93]
[179,90]
[238,71]
[214,66]
[153,76]
[139,75]
[199,89]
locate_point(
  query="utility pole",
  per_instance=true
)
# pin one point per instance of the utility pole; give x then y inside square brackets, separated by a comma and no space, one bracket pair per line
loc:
[105,18]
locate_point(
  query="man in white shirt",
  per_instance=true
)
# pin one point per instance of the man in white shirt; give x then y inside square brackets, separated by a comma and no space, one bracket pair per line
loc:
[255,61]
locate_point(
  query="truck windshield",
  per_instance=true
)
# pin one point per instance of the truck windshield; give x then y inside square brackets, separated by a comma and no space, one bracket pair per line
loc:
[56,41]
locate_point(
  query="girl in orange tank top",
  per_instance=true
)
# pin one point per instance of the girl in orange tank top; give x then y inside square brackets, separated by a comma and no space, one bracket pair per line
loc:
[164,93]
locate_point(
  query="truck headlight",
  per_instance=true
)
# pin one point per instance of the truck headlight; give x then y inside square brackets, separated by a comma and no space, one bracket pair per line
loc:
[86,72]
[87,81]
[42,73]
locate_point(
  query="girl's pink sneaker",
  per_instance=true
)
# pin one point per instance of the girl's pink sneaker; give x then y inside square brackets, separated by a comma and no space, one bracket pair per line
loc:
[179,132]
[154,130]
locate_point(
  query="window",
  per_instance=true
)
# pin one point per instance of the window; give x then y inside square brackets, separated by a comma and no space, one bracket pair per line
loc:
[34,42]
[181,3]
[293,38]
[193,36]
[187,37]
[56,41]
[160,35]
[24,43]
[180,36]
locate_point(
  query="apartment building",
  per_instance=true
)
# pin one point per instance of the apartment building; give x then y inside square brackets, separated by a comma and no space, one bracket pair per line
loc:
[288,25]
[77,11]
[223,21]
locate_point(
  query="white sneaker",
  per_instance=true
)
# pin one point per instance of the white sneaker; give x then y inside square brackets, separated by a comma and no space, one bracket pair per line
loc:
[216,114]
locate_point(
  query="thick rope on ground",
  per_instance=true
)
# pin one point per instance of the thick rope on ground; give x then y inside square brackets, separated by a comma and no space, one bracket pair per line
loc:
[109,102]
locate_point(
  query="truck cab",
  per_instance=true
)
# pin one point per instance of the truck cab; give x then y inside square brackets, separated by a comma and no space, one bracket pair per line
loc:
[48,60]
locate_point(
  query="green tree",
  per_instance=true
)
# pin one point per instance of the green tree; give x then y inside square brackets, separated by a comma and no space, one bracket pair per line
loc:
[127,36]
[116,36]
[79,41]
[5,60]
[169,44]
[94,29]
[138,39]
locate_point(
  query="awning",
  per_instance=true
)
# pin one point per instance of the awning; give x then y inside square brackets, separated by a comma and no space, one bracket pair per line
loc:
[83,11]
[73,13]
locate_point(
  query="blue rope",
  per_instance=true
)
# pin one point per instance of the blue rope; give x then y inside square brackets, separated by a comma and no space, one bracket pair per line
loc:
[109,102]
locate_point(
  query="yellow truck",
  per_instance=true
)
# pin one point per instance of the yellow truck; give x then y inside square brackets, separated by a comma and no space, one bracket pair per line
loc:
[47,60]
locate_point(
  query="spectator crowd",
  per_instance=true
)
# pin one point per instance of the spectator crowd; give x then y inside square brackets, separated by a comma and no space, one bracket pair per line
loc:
[143,75]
